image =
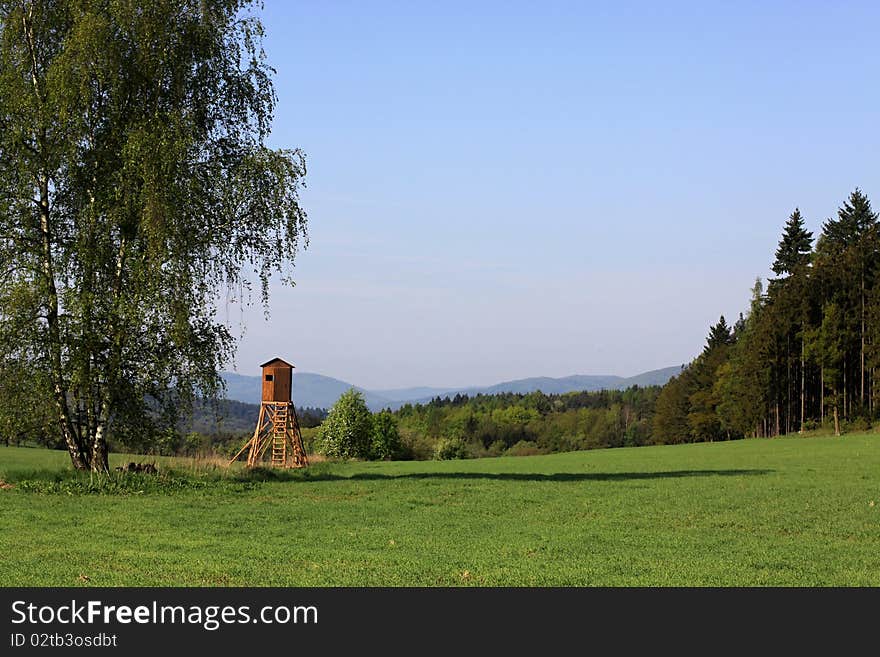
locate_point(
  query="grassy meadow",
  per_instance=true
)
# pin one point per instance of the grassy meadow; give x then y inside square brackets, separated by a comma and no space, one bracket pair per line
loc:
[786,511]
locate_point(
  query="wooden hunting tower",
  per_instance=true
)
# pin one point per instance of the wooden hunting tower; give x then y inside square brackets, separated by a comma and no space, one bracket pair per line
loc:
[277,380]
[277,426]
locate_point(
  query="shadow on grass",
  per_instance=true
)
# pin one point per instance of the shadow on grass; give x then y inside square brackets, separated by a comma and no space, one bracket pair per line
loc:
[306,475]
[170,481]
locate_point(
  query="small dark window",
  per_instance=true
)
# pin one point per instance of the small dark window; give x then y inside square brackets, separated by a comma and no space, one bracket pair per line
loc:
[269,377]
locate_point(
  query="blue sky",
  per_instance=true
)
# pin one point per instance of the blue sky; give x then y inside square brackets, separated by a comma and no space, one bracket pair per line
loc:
[501,190]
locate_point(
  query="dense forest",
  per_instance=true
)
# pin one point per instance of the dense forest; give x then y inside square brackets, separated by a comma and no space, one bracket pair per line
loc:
[521,424]
[806,354]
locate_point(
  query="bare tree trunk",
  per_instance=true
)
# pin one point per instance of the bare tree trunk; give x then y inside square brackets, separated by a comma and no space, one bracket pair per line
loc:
[788,385]
[99,442]
[78,456]
[836,420]
[777,418]
[803,379]
[822,396]
[862,355]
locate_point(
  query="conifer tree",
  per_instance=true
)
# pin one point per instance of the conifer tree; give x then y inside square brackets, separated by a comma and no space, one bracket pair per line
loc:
[853,221]
[719,335]
[851,244]
[794,247]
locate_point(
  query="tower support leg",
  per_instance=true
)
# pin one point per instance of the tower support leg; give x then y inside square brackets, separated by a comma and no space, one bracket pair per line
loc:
[278,428]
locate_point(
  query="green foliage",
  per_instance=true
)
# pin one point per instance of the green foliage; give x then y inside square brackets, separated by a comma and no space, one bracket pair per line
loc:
[169,442]
[135,186]
[855,220]
[25,406]
[491,425]
[348,430]
[795,247]
[719,336]
[524,448]
[448,449]
[386,442]
[704,422]
[670,423]
[807,350]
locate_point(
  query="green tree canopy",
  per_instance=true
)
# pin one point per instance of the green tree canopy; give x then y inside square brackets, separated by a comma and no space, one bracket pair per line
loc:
[385,443]
[348,430]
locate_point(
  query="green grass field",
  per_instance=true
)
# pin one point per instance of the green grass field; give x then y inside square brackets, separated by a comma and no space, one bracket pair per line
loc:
[792,511]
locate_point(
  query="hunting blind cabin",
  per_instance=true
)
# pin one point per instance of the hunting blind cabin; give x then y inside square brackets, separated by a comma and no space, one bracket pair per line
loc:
[277,427]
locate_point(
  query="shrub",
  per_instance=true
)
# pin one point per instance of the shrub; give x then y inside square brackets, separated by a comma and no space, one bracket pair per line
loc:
[385,437]
[523,448]
[811,425]
[856,424]
[347,431]
[448,449]
[416,445]
[496,448]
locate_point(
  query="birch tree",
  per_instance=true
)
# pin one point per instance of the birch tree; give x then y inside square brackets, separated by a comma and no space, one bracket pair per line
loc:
[135,187]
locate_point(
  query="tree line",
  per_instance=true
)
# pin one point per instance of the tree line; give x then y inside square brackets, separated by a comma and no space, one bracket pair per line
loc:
[521,424]
[806,354]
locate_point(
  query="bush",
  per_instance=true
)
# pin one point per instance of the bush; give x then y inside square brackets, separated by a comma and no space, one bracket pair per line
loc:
[523,448]
[448,449]
[347,431]
[416,445]
[856,424]
[811,425]
[496,448]
[385,437]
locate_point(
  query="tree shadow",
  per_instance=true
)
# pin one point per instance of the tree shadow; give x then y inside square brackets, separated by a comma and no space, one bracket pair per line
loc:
[305,475]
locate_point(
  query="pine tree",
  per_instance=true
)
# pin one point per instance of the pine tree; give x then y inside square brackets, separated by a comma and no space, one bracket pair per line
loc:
[792,257]
[851,241]
[718,335]
[743,382]
[738,327]
[703,418]
[854,219]
[795,247]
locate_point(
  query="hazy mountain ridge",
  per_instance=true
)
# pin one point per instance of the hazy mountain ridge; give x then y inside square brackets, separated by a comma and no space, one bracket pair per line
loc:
[319,391]
[557,386]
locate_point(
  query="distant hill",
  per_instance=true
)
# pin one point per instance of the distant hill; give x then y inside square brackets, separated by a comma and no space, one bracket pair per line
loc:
[409,394]
[548,385]
[652,378]
[318,391]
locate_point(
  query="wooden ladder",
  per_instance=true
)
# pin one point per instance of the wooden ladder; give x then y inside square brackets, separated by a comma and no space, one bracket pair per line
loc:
[279,438]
